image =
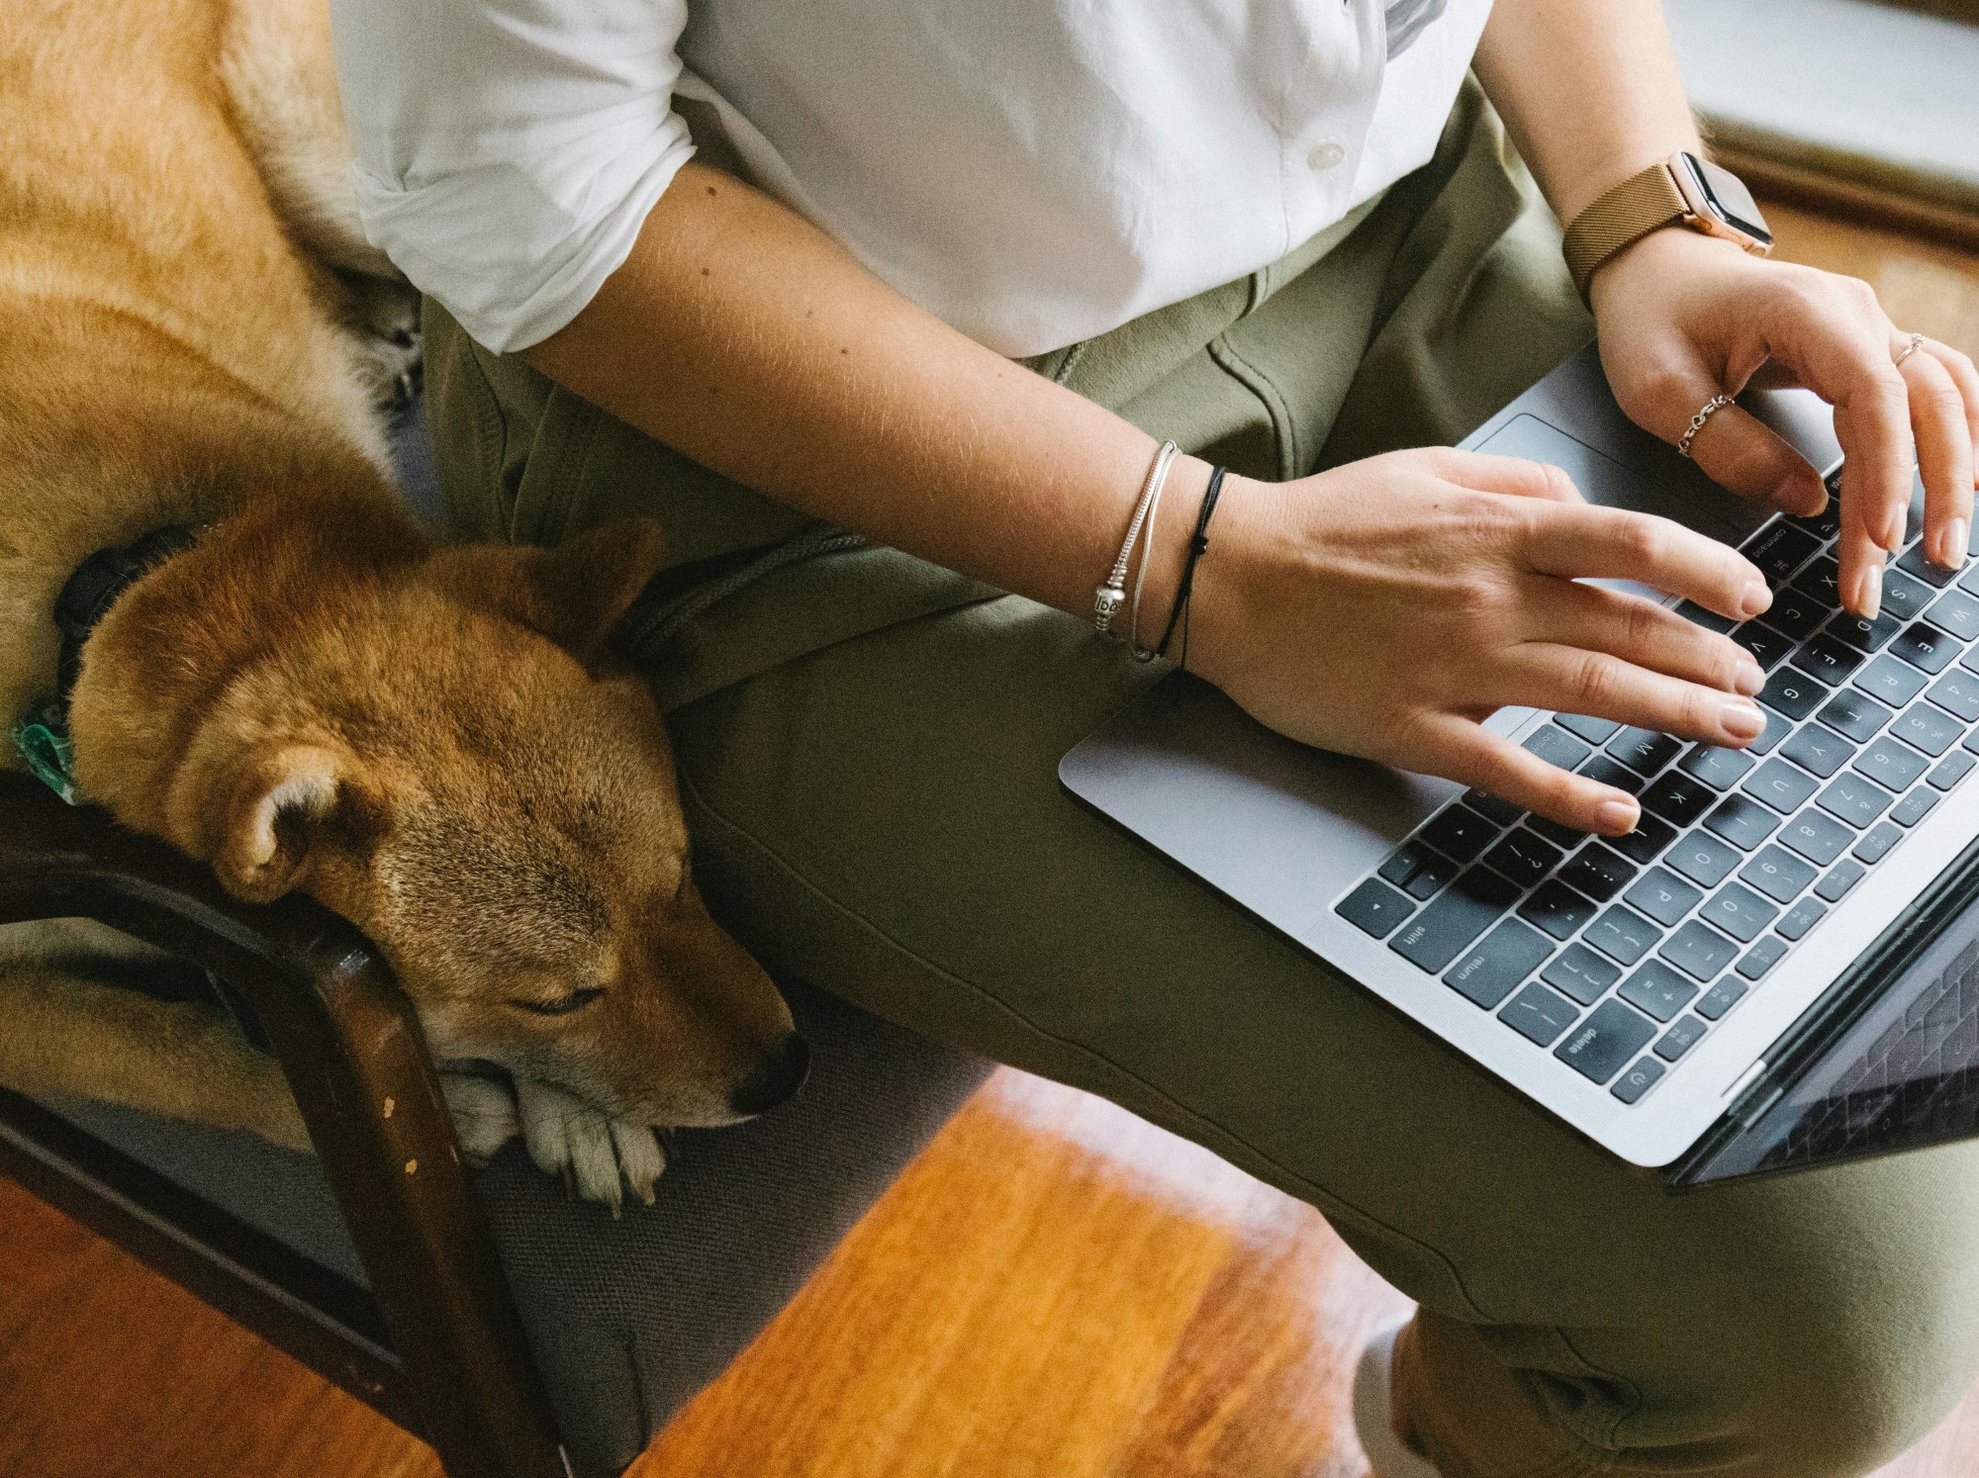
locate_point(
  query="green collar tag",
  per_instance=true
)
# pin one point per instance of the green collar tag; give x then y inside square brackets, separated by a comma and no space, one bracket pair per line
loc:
[41,738]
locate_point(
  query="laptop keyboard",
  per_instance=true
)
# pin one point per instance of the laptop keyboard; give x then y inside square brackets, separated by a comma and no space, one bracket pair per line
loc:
[1620,954]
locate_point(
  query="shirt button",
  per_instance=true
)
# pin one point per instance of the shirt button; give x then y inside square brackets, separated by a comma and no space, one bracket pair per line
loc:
[1326,156]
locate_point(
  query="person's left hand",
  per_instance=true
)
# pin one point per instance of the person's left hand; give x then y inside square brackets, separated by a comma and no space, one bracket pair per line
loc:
[1683,317]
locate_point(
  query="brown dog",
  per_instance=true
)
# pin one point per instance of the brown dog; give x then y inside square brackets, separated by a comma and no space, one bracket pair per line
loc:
[433,742]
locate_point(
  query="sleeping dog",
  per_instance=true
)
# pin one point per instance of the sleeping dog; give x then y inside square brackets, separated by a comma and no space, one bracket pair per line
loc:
[290,682]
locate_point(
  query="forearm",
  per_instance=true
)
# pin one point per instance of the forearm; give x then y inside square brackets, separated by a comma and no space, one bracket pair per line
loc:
[751,342]
[1589,89]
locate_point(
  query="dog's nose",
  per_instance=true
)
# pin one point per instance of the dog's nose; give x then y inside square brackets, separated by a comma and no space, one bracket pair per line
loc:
[775,1078]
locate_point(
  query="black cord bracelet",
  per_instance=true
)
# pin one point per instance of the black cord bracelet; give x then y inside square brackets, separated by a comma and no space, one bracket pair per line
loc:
[1198,542]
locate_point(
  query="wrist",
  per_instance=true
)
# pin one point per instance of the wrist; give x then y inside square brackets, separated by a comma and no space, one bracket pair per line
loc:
[1668,254]
[1165,545]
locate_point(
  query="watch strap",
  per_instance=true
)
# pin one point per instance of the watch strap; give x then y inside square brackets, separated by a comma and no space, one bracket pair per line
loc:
[1638,205]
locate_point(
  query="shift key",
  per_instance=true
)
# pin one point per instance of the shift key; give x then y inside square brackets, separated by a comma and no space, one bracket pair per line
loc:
[1465,910]
[1606,1042]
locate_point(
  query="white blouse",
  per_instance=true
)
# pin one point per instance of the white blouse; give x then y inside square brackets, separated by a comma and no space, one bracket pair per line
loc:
[1033,172]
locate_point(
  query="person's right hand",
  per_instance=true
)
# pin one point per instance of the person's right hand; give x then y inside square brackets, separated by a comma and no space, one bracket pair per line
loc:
[1386,608]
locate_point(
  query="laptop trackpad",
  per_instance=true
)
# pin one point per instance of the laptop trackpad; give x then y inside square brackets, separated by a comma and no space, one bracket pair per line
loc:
[1607,482]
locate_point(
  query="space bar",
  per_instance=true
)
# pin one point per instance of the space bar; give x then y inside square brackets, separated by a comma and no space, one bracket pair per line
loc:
[1467,908]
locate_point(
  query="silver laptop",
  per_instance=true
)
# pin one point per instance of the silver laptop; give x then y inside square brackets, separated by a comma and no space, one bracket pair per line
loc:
[1779,969]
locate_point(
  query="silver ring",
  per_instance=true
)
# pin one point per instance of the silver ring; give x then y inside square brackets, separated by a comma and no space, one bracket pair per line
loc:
[1699,421]
[1916,343]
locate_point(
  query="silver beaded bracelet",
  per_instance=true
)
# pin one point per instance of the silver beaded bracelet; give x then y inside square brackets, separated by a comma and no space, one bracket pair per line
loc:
[1112,595]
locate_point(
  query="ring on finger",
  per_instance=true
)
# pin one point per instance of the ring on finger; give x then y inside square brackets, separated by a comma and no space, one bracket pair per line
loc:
[1699,421]
[1916,343]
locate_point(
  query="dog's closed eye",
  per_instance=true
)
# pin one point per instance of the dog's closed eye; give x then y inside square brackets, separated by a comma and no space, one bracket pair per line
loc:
[577,1000]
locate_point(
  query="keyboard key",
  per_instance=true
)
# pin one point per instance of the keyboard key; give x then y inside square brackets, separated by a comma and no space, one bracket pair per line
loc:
[1779,549]
[1891,682]
[1803,916]
[1557,747]
[1817,837]
[1864,636]
[1597,872]
[1792,693]
[1540,1015]
[1564,837]
[1954,612]
[1818,578]
[1742,822]
[1663,896]
[1638,1080]
[1914,807]
[1854,799]
[1740,912]
[1458,831]
[1798,615]
[1606,1041]
[1762,957]
[1678,798]
[1698,951]
[1374,908]
[1605,771]
[1487,972]
[1876,845]
[1557,909]
[1903,597]
[1709,620]
[1767,646]
[1951,769]
[1780,785]
[1726,994]
[1819,749]
[1830,660]
[1680,1038]
[1778,726]
[1890,764]
[1718,768]
[1593,730]
[1580,974]
[1703,859]
[1930,729]
[1622,935]
[1523,857]
[1828,522]
[1493,808]
[1646,843]
[1957,692]
[1840,878]
[1429,878]
[1778,874]
[1644,750]
[1402,863]
[1915,562]
[1925,647]
[1464,910]
[1859,717]
[1658,990]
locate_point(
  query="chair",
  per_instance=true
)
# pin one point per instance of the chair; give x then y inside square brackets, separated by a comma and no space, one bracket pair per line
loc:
[522,1334]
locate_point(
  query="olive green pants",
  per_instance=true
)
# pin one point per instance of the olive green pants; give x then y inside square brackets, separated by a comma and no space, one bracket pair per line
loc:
[868,751]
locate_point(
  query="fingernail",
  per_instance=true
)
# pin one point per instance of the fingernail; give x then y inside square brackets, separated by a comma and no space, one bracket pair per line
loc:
[1951,544]
[1742,719]
[1892,538]
[1869,592]
[1812,494]
[1756,598]
[1618,816]
[1749,678]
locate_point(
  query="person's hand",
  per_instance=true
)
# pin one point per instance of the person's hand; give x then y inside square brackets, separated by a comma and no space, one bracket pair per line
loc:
[1683,317]
[1387,607]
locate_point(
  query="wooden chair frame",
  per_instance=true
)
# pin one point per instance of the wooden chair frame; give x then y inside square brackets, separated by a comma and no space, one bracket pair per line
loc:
[436,1344]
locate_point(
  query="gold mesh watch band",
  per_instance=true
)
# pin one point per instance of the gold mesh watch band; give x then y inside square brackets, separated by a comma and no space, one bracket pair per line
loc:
[1630,211]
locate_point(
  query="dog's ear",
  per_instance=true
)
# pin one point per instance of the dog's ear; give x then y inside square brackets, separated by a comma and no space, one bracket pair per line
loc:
[282,810]
[575,593]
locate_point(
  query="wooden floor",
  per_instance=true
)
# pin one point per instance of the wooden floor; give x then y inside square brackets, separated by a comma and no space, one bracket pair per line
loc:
[1054,1290]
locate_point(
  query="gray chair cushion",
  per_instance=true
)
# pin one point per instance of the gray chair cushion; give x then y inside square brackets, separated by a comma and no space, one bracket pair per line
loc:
[629,1318]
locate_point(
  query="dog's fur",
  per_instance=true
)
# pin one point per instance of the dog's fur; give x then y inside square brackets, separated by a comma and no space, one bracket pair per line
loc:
[433,742]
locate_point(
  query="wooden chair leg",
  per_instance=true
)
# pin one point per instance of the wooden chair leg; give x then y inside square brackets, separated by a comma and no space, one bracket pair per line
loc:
[349,1042]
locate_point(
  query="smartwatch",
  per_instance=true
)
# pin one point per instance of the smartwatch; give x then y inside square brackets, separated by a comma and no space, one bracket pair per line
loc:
[1681,189]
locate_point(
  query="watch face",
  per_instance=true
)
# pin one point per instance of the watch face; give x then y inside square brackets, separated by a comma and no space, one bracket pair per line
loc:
[1726,195]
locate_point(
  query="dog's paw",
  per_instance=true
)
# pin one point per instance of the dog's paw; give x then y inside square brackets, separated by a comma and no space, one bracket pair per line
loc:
[385,315]
[484,1114]
[596,1154]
